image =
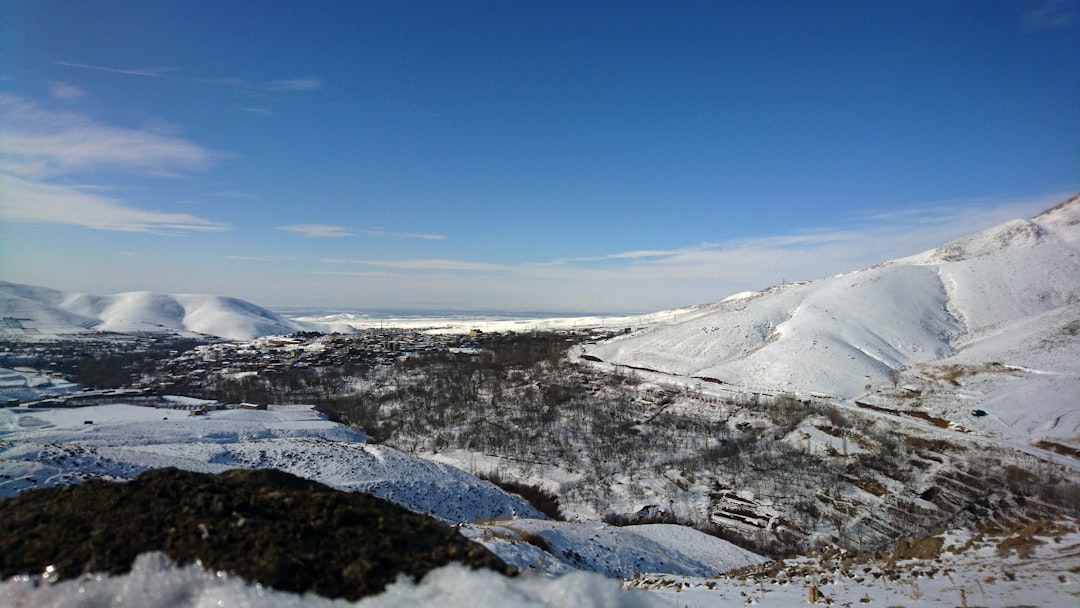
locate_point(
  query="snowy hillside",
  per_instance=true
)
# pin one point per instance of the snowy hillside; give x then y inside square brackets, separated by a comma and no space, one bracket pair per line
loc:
[31,310]
[48,447]
[1007,297]
[42,448]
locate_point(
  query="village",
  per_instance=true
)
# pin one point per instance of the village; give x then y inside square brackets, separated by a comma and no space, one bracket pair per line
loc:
[86,370]
[311,349]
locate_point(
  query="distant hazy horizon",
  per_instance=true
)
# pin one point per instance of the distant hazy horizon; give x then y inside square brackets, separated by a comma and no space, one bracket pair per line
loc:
[382,313]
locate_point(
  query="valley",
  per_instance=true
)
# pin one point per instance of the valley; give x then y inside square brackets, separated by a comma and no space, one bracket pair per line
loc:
[808,434]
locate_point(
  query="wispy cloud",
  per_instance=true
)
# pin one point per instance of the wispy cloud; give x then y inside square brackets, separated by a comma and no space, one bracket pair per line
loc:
[1051,15]
[294,84]
[285,85]
[649,278]
[259,258]
[427,264]
[35,202]
[379,232]
[624,255]
[333,231]
[260,112]
[146,72]
[106,188]
[63,91]
[878,237]
[41,143]
[356,274]
[232,194]
[786,242]
[318,231]
[810,238]
[39,146]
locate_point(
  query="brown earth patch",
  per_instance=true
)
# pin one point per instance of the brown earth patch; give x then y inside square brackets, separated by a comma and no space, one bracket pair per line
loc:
[1024,540]
[1064,450]
[954,374]
[928,547]
[869,485]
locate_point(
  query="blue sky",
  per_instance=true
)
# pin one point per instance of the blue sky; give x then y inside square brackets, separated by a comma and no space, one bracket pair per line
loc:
[530,156]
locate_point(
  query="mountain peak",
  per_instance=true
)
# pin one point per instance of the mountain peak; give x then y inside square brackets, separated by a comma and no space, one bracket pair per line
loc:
[1010,235]
[1063,215]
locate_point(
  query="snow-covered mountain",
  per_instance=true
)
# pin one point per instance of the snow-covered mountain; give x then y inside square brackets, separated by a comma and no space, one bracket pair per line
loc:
[987,321]
[29,309]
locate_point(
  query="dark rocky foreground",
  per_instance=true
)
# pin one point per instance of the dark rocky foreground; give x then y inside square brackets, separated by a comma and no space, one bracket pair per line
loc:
[268,526]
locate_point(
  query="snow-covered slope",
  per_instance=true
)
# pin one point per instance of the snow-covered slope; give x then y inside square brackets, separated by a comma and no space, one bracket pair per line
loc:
[557,547]
[41,448]
[38,310]
[1008,295]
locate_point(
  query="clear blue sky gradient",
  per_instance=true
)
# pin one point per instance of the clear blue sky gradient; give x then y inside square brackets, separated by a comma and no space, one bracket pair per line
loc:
[588,156]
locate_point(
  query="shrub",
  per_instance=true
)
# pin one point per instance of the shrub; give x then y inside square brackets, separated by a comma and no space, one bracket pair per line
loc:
[544,501]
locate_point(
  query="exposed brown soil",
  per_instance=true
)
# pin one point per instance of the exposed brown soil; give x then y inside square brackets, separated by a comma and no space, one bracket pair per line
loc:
[921,415]
[272,527]
[928,547]
[1024,541]
[1057,447]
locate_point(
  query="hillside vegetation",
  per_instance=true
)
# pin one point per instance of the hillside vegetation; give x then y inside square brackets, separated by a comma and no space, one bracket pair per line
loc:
[777,474]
